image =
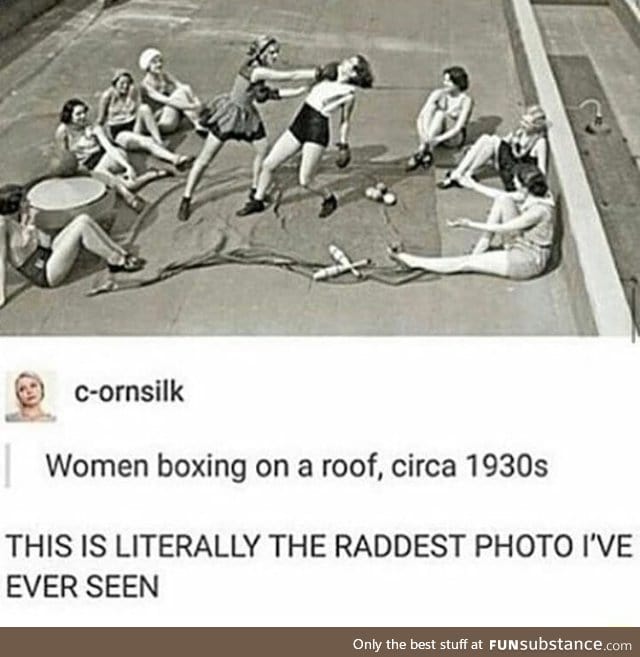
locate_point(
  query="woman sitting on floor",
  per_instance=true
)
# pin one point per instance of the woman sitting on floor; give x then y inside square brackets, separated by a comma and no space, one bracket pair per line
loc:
[526,144]
[168,98]
[97,156]
[525,219]
[131,124]
[47,261]
[444,117]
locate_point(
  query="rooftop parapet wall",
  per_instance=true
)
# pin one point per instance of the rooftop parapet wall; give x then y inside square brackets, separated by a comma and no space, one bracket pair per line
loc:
[598,297]
[628,12]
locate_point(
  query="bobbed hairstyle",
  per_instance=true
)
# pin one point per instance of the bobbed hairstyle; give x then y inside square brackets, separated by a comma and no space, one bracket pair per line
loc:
[68,107]
[531,178]
[458,76]
[29,375]
[362,73]
[121,73]
[10,198]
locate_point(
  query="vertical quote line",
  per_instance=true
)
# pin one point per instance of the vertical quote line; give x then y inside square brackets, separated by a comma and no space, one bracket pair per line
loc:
[7,465]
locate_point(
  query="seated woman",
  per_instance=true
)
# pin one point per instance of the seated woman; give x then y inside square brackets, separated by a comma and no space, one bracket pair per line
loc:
[97,156]
[168,98]
[524,218]
[46,261]
[29,389]
[444,117]
[310,129]
[527,144]
[130,123]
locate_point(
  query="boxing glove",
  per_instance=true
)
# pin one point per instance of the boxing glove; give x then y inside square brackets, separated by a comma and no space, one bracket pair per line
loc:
[327,72]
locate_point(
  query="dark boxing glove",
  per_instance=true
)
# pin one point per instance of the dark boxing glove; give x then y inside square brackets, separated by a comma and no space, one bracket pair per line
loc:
[344,156]
[263,93]
[327,72]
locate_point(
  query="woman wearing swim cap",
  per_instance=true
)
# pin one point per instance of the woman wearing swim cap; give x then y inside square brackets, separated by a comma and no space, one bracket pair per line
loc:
[168,98]
[126,120]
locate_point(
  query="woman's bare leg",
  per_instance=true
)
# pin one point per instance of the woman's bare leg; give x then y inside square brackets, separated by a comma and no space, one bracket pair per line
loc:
[170,117]
[430,125]
[210,149]
[131,141]
[311,156]
[503,209]
[261,148]
[493,262]
[146,122]
[117,183]
[110,167]
[84,232]
[286,146]
[481,152]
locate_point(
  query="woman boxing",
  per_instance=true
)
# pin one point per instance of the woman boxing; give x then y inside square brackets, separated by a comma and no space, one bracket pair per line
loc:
[97,156]
[525,219]
[309,132]
[131,124]
[46,261]
[444,117]
[234,116]
[527,144]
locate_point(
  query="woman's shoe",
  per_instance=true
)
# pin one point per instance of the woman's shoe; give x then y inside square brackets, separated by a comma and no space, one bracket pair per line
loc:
[423,158]
[413,162]
[394,252]
[184,162]
[329,206]
[130,264]
[252,206]
[137,204]
[184,211]
[448,183]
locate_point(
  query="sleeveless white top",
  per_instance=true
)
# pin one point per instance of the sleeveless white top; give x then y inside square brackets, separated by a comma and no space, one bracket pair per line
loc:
[324,95]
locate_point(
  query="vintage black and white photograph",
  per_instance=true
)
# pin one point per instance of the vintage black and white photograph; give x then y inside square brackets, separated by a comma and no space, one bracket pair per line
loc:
[335,167]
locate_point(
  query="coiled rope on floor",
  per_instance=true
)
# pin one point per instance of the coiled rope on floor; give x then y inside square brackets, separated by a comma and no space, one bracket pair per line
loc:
[260,257]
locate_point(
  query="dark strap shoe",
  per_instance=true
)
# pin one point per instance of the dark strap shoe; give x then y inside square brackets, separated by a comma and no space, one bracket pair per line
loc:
[448,183]
[329,206]
[130,264]
[252,206]
[184,211]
